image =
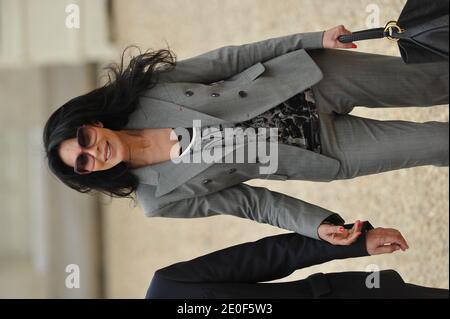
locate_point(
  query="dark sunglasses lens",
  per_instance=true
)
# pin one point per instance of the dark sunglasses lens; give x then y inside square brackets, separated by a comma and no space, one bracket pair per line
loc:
[84,163]
[85,137]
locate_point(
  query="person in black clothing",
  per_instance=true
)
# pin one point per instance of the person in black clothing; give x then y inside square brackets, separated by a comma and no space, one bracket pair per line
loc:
[242,271]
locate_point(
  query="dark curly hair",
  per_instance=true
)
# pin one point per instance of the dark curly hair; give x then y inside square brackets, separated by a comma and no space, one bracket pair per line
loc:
[110,104]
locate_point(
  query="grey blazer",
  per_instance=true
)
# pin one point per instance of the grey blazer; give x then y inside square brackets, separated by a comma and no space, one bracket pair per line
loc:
[267,72]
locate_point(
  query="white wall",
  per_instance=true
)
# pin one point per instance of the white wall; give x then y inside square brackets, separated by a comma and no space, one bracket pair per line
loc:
[35,32]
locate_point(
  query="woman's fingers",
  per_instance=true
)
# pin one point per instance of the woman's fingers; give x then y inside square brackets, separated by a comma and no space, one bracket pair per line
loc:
[332,233]
[343,31]
[330,38]
[351,239]
[352,235]
[338,235]
[357,226]
[337,230]
[342,236]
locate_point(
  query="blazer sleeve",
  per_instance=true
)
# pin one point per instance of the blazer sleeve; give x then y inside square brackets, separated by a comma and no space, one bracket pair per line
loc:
[222,63]
[267,259]
[245,201]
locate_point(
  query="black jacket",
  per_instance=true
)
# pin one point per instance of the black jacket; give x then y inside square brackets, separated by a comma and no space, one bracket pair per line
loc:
[238,272]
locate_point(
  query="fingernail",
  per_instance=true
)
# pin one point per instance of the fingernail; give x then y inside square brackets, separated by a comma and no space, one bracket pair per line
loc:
[354,46]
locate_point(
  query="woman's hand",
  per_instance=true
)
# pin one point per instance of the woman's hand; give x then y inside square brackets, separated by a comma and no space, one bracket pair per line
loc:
[384,241]
[338,235]
[330,40]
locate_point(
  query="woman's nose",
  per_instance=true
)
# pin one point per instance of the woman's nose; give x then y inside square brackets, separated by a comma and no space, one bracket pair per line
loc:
[95,151]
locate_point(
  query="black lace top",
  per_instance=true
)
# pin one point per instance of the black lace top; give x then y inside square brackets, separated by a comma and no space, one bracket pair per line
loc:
[296,119]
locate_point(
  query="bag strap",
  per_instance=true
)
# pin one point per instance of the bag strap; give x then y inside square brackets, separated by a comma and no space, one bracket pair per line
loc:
[376,33]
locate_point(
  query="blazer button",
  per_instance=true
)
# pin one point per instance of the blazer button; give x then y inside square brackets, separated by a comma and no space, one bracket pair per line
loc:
[231,170]
[206,181]
[242,93]
[189,93]
[215,94]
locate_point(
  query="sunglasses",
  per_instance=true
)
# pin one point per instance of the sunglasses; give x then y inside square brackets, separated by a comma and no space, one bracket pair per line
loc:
[86,137]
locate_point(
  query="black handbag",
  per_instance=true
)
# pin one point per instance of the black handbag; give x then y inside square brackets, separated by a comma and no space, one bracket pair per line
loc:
[421,31]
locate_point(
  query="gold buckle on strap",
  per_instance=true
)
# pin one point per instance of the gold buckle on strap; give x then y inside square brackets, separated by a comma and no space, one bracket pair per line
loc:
[391,25]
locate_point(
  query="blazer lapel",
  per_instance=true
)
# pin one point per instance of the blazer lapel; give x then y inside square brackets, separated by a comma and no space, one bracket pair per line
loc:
[146,175]
[154,113]
[173,175]
[167,176]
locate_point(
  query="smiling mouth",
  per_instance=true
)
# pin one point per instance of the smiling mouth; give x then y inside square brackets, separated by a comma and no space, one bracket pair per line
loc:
[107,152]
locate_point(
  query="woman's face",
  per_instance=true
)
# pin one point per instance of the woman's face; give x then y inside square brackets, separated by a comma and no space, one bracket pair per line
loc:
[105,147]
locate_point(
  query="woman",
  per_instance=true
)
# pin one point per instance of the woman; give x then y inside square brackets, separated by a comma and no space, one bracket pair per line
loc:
[122,138]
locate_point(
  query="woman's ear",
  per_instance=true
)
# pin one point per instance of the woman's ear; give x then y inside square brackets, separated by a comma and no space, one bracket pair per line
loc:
[98,124]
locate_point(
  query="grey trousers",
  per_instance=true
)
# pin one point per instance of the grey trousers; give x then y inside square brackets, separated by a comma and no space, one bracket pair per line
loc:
[366,146]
